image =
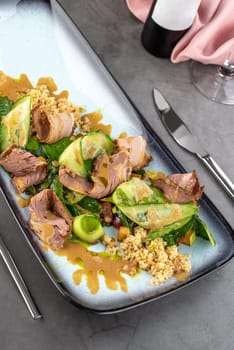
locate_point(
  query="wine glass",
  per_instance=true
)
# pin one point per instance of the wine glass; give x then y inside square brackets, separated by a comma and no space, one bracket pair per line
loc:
[215,81]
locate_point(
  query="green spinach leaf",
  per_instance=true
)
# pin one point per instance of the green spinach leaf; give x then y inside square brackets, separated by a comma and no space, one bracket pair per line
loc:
[124,219]
[34,146]
[203,231]
[5,105]
[90,204]
[173,232]
[53,151]
[74,210]
[57,187]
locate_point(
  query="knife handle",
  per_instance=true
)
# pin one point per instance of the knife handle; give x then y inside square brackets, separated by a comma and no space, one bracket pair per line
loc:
[218,173]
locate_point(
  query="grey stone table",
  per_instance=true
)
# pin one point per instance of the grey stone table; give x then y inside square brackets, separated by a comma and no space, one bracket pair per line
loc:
[196,318]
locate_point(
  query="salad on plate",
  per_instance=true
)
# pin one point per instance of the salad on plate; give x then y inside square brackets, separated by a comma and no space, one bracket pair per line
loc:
[84,188]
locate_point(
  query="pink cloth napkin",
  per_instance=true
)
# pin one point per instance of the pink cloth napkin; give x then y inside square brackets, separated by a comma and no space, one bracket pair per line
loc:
[210,40]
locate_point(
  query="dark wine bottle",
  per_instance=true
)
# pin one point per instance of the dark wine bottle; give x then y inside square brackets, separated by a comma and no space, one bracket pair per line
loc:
[167,22]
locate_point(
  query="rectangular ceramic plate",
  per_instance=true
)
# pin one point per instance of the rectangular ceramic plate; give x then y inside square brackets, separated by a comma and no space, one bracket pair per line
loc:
[39,39]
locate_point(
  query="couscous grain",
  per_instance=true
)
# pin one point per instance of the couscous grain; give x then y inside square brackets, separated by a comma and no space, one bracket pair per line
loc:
[152,256]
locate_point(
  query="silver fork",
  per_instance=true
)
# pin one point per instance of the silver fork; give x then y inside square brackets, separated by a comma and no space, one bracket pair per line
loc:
[15,274]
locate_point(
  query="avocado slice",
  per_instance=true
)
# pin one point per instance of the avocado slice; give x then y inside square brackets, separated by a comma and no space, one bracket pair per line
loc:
[95,143]
[15,126]
[156,216]
[87,227]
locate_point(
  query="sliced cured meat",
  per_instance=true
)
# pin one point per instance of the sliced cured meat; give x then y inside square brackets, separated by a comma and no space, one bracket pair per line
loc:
[19,162]
[27,170]
[49,219]
[109,172]
[180,188]
[21,183]
[135,146]
[52,128]
[74,181]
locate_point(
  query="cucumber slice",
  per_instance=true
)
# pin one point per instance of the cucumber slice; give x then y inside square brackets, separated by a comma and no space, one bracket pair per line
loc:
[96,143]
[177,229]
[136,191]
[79,154]
[15,126]
[87,227]
[72,158]
[153,216]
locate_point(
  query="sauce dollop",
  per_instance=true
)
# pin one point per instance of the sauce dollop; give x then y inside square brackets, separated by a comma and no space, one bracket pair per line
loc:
[12,87]
[93,265]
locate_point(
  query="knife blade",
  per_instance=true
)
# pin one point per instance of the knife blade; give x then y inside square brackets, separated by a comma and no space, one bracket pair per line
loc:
[184,137]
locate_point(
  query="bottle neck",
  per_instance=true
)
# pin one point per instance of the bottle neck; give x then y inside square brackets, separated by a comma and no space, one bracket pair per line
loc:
[174,14]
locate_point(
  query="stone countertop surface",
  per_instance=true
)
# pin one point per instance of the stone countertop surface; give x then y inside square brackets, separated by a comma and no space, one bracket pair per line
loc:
[198,317]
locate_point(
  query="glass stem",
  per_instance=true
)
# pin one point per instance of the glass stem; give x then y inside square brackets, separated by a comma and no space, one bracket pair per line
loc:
[227,69]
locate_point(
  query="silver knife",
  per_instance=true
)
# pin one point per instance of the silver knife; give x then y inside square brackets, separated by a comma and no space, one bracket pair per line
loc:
[183,136]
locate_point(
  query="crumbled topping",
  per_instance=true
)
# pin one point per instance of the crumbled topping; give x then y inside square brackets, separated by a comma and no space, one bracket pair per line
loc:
[49,104]
[110,244]
[154,257]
